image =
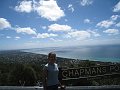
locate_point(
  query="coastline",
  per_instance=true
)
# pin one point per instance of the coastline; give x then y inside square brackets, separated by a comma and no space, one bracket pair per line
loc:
[13,63]
[43,57]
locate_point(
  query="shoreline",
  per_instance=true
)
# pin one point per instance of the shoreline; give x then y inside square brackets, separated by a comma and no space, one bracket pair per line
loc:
[90,59]
[12,52]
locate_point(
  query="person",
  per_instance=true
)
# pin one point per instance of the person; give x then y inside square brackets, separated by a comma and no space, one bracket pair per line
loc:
[50,73]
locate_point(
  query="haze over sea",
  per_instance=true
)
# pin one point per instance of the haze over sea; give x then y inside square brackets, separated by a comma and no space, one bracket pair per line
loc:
[106,53]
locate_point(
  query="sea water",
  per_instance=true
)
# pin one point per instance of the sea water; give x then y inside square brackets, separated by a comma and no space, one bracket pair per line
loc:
[106,53]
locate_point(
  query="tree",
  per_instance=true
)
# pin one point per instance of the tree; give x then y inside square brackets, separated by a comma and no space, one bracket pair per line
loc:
[16,75]
[29,76]
[22,75]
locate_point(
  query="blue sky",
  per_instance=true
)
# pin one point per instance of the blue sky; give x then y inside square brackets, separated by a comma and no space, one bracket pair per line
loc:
[50,23]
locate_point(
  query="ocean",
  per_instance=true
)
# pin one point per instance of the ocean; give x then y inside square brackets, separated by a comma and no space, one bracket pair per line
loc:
[106,53]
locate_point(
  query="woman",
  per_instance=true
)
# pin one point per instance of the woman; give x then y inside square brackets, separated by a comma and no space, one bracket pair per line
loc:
[51,71]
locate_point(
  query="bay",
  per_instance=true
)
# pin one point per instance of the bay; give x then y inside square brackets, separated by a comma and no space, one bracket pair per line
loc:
[106,53]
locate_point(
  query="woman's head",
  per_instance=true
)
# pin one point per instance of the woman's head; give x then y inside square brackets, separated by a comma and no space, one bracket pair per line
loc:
[52,57]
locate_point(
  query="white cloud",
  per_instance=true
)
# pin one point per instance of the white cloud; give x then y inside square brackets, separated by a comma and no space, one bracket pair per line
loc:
[56,40]
[87,21]
[58,27]
[45,8]
[4,23]
[46,35]
[112,31]
[117,7]
[70,7]
[79,35]
[24,6]
[114,17]
[94,33]
[16,38]
[49,10]
[86,2]
[26,30]
[44,27]
[8,37]
[105,23]
[118,24]
[66,20]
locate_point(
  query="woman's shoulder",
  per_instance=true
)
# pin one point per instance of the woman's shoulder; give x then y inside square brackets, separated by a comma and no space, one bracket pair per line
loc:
[45,66]
[56,64]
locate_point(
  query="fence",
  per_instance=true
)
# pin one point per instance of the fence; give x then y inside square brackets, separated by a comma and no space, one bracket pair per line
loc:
[112,87]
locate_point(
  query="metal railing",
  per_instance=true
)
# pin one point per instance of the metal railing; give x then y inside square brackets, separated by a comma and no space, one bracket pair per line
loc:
[107,87]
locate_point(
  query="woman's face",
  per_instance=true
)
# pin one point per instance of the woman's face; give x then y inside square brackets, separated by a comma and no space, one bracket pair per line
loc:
[52,58]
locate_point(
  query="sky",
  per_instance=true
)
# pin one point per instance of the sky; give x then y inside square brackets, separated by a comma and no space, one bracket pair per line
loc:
[53,23]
